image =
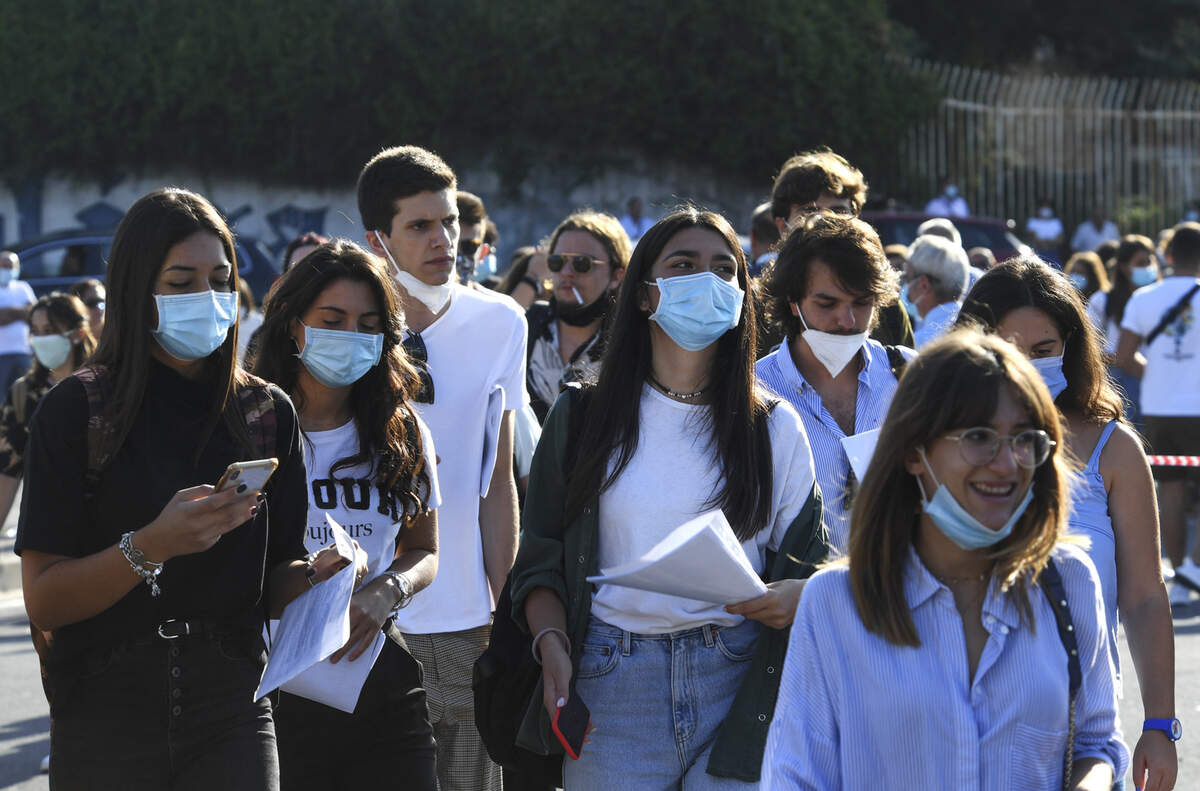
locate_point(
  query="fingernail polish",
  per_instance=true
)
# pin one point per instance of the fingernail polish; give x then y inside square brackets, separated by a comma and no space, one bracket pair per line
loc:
[241,488]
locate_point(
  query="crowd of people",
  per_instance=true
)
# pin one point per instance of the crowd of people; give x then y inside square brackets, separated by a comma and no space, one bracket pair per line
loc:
[935,462]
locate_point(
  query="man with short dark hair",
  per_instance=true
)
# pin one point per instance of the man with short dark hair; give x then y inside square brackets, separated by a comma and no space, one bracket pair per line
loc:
[1165,317]
[821,180]
[471,346]
[826,288]
[764,238]
[472,227]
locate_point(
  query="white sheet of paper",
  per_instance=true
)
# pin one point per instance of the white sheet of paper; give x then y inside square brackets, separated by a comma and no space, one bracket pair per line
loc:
[701,559]
[492,418]
[859,449]
[337,685]
[314,625]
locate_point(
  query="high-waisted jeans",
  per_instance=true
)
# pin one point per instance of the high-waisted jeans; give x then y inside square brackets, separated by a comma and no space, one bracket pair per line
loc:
[656,702]
[165,714]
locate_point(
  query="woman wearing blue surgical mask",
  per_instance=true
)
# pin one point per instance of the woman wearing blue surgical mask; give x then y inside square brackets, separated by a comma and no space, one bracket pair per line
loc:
[933,656]
[1113,504]
[153,584]
[332,340]
[1132,267]
[675,427]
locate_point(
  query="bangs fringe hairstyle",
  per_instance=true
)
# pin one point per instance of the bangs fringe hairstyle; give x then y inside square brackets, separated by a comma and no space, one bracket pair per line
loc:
[953,383]
[382,399]
[66,313]
[1029,282]
[153,225]
[736,419]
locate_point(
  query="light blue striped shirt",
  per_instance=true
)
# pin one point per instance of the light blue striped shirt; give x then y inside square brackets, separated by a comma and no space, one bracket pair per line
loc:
[937,322]
[856,712]
[876,384]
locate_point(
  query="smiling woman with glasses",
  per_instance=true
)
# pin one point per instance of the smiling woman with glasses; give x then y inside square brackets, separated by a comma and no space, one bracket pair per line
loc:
[961,644]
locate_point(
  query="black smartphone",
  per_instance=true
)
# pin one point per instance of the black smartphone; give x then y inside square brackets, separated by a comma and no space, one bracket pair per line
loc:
[571,724]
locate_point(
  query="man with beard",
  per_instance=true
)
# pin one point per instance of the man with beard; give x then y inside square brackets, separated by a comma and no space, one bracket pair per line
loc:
[588,255]
[825,290]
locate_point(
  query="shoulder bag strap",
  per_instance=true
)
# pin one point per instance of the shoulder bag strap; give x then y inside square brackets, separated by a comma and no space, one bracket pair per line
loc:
[1171,315]
[1056,594]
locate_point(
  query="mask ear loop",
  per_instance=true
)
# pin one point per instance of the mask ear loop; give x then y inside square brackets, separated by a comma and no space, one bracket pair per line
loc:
[920,485]
[796,307]
[387,252]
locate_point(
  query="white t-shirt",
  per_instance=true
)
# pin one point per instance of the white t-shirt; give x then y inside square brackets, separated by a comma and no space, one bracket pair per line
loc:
[1110,333]
[1087,237]
[351,498]
[477,344]
[14,337]
[667,482]
[1044,229]
[1171,383]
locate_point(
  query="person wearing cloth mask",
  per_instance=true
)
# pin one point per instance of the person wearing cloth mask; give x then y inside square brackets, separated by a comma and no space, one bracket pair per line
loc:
[948,203]
[934,657]
[1133,267]
[61,338]
[1029,304]
[588,254]
[154,584]
[331,340]
[935,279]
[674,428]
[16,297]
[826,288]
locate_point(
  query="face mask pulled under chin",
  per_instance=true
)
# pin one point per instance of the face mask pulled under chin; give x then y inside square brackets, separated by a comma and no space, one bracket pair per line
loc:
[432,297]
[833,351]
[957,523]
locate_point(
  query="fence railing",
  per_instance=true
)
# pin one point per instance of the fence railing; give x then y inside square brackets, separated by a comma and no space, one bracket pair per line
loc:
[1132,145]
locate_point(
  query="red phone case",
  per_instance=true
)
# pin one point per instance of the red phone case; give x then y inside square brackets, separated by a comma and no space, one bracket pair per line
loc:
[563,740]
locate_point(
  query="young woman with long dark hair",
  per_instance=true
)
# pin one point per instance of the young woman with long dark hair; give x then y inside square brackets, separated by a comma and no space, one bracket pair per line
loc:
[679,690]
[332,341]
[933,657]
[154,585]
[1026,302]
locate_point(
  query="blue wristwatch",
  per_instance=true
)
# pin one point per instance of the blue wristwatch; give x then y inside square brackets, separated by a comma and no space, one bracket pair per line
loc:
[1172,727]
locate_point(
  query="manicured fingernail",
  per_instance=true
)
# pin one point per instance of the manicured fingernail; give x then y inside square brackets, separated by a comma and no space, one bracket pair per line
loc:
[561,702]
[241,488]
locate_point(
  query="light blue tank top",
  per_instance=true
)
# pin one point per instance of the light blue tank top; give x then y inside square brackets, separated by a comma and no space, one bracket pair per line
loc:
[1090,517]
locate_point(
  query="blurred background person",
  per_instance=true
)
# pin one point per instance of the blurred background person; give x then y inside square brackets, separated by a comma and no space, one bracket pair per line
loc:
[935,279]
[1044,232]
[948,202]
[764,239]
[1086,272]
[16,298]
[896,254]
[981,258]
[1093,231]
[299,247]
[634,221]
[93,295]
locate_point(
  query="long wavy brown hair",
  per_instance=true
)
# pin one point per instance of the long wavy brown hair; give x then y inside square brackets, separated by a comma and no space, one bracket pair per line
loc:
[953,383]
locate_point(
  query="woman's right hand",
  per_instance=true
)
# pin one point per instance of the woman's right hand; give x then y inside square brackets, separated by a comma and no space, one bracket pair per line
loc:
[556,672]
[194,520]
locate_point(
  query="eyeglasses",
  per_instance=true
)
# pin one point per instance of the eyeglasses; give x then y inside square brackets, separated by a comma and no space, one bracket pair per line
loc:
[414,346]
[979,446]
[582,264]
[812,208]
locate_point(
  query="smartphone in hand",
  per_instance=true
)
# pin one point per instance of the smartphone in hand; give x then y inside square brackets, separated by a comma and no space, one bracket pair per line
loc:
[254,474]
[570,725]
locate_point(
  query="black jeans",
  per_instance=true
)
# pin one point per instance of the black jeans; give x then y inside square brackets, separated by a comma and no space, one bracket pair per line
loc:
[387,742]
[165,714]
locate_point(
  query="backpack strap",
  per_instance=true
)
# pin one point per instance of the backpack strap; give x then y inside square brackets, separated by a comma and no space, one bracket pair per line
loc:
[896,361]
[1171,314]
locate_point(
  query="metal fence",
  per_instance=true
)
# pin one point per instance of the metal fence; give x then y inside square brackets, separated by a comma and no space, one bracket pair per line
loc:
[1132,145]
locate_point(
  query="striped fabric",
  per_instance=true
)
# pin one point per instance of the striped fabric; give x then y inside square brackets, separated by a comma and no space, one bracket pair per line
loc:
[856,712]
[876,384]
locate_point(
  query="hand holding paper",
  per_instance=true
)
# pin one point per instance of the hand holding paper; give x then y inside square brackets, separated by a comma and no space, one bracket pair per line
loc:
[701,559]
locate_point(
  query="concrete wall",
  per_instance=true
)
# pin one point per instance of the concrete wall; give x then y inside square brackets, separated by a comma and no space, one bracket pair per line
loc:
[274,214]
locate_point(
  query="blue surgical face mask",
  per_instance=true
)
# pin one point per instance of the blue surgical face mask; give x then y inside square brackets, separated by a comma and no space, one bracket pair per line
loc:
[951,191]
[1080,281]
[51,350]
[696,310]
[7,276]
[337,358]
[1051,369]
[1141,276]
[192,326]
[957,524]
[909,306]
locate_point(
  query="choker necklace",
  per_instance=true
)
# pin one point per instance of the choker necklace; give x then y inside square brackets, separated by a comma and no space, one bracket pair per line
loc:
[673,394]
[947,580]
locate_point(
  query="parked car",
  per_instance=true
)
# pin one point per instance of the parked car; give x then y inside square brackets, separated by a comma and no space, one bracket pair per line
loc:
[989,232]
[55,261]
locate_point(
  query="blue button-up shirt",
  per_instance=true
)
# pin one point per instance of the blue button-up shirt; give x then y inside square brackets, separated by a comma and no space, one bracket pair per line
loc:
[876,385]
[857,712]
[937,322]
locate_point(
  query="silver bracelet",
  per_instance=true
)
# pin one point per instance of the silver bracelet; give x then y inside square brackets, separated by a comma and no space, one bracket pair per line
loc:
[533,645]
[148,570]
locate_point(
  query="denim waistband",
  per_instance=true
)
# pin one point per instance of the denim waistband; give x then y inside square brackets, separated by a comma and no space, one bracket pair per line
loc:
[707,632]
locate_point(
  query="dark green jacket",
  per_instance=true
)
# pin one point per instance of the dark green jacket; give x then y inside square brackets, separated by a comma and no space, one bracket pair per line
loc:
[561,557]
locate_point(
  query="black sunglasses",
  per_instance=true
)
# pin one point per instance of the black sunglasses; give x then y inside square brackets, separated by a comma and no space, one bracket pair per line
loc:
[414,346]
[582,264]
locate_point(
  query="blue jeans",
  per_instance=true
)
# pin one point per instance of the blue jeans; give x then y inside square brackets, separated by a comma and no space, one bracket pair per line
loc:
[657,702]
[165,715]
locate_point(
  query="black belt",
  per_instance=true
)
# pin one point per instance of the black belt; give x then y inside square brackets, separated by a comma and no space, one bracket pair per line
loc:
[174,628]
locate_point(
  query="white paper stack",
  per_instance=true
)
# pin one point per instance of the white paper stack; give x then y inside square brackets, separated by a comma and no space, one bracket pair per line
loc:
[701,559]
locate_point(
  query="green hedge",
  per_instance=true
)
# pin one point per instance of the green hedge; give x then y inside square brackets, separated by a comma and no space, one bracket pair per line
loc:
[304,92]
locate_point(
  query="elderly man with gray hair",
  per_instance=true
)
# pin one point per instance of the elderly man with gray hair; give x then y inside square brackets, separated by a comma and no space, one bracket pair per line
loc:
[935,280]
